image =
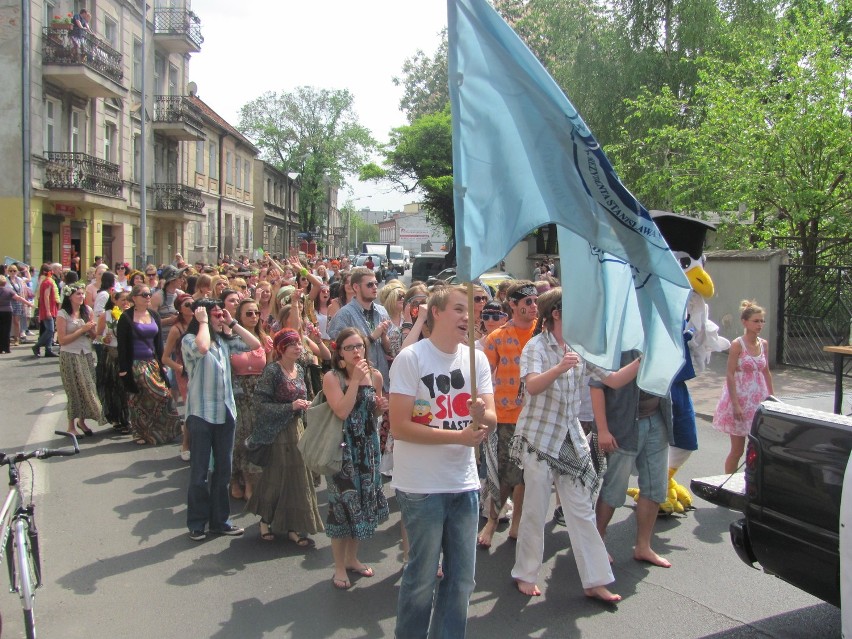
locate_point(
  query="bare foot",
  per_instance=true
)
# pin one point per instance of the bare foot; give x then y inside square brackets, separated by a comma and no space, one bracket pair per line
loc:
[600,592]
[651,557]
[487,533]
[527,588]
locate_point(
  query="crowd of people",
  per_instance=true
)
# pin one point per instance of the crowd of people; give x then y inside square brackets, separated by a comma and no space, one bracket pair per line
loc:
[227,359]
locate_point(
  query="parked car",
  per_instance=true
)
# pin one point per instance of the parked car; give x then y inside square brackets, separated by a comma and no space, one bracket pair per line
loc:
[427,264]
[397,257]
[790,495]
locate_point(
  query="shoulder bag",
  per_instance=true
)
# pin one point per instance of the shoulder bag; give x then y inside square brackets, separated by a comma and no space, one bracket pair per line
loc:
[321,445]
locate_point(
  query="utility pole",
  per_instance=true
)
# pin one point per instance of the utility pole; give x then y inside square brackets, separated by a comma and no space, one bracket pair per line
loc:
[143,169]
[26,141]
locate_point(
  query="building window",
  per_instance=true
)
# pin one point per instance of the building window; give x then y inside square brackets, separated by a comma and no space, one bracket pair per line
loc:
[247,180]
[199,156]
[159,74]
[111,32]
[229,176]
[137,157]
[238,172]
[213,171]
[49,12]
[109,142]
[211,229]
[173,80]
[137,64]
[76,137]
[237,228]
[247,233]
[51,118]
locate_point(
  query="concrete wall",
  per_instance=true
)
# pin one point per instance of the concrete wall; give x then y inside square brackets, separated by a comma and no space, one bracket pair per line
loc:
[739,275]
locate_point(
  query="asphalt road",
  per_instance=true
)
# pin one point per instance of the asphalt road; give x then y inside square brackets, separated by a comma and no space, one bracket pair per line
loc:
[118,562]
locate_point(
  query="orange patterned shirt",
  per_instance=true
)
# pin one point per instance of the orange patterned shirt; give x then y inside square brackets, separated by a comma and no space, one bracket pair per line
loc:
[503,349]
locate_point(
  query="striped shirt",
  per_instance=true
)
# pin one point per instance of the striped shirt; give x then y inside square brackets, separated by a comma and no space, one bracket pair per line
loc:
[549,420]
[210,394]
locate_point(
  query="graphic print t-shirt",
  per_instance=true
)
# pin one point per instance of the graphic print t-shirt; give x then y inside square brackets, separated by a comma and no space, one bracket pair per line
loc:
[440,385]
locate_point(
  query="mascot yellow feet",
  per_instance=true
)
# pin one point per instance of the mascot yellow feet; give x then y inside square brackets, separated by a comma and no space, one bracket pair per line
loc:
[679,500]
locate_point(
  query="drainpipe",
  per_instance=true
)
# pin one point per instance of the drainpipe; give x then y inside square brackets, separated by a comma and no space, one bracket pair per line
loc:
[26,101]
[221,195]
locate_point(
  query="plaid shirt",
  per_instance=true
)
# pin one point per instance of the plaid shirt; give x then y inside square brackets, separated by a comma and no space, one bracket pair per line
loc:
[549,422]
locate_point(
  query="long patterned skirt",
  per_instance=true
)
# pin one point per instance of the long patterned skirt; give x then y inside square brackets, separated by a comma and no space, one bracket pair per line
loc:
[243,394]
[78,378]
[111,390]
[152,412]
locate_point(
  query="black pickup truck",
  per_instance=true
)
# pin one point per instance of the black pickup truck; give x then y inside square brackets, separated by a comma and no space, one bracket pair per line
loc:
[790,495]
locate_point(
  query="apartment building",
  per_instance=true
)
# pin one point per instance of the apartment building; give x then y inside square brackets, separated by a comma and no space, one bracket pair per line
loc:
[222,169]
[86,108]
[276,203]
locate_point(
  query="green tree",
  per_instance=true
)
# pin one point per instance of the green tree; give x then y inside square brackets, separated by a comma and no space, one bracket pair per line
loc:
[424,82]
[419,157]
[768,130]
[313,132]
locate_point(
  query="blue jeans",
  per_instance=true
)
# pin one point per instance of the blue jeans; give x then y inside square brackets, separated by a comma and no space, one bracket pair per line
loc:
[208,501]
[45,338]
[437,522]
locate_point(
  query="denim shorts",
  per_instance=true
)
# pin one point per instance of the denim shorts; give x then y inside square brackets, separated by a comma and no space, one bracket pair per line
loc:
[651,462]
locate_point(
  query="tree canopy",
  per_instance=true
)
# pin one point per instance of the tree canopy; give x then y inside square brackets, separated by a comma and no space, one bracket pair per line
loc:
[313,132]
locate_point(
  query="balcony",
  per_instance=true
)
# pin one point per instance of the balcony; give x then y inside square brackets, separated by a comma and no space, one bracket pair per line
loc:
[178,199]
[177,118]
[83,65]
[83,173]
[177,30]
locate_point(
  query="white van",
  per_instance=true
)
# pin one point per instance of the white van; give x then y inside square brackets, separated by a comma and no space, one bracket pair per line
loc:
[397,256]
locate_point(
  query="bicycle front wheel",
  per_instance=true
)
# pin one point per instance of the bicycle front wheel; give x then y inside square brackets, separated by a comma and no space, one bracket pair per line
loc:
[25,583]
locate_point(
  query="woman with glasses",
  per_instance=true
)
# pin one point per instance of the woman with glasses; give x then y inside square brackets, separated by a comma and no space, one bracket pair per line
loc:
[152,279]
[245,371]
[356,503]
[121,271]
[173,358]
[75,329]
[111,390]
[284,497]
[415,309]
[492,317]
[140,355]
[480,299]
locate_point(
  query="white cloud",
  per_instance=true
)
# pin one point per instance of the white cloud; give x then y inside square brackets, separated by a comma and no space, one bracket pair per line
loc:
[255,46]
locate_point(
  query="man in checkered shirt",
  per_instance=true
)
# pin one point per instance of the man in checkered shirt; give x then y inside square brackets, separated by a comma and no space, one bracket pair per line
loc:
[550,447]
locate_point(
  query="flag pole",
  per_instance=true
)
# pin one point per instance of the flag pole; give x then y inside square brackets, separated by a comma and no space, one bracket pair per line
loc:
[471,343]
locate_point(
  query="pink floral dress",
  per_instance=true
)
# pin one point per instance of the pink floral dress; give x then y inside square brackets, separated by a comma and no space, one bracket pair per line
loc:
[751,391]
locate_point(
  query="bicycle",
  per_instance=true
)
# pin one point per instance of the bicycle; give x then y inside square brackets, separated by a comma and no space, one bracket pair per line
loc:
[19,538]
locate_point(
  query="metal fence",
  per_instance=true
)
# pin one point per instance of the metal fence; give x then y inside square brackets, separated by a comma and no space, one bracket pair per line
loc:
[816,311]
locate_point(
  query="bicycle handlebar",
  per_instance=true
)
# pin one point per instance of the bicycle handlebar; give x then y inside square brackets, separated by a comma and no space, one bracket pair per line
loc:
[39,453]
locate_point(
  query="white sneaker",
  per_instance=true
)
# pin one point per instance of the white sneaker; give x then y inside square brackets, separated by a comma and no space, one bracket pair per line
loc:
[184,455]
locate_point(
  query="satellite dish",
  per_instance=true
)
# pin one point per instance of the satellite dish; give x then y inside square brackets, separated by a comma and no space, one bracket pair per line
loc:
[192,88]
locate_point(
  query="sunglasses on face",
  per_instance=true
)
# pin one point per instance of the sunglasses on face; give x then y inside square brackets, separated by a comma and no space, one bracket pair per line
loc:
[353,347]
[151,274]
[480,298]
[371,284]
[251,313]
[493,317]
[529,301]
[145,295]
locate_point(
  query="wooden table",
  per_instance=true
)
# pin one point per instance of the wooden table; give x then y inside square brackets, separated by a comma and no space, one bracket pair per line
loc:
[840,353]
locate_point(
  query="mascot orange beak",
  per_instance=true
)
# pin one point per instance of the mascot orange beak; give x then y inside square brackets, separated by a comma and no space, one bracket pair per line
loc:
[701,282]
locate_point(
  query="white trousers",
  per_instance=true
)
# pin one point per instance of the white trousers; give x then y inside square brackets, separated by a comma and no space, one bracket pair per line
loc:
[589,550]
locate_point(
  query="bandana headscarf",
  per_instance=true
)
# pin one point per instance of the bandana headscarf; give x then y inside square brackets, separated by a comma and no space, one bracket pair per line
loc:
[524,291]
[284,338]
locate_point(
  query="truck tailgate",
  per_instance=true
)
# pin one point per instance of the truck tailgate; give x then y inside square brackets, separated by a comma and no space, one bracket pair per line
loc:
[722,490]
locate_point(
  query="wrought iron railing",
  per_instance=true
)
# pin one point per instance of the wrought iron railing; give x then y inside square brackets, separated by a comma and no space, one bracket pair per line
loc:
[815,311]
[177,197]
[170,21]
[60,46]
[81,172]
[821,251]
[177,108]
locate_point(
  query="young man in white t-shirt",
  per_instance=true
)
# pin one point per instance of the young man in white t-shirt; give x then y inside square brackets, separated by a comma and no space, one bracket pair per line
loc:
[435,477]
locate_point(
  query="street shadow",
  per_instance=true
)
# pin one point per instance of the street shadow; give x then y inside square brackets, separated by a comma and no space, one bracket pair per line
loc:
[713,523]
[821,620]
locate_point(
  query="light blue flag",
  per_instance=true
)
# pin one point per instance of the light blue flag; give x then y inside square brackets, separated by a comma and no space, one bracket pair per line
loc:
[522,158]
